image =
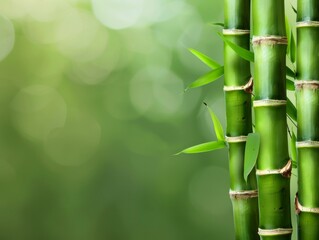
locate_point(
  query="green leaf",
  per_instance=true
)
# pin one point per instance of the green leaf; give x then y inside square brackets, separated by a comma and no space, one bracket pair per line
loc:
[290,73]
[294,9]
[293,149]
[205,59]
[204,147]
[292,47]
[290,85]
[207,78]
[217,125]
[217,24]
[291,110]
[288,33]
[251,153]
[242,52]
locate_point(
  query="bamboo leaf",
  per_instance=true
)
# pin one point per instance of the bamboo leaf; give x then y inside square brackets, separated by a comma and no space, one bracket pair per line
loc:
[293,150]
[205,59]
[242,52]
[290,73]
[217,125]
[290,85]
[204,147]
[217,24]
[291,110]
[294,9]
[207,78]
[251,153]
[288,34]
[292,48]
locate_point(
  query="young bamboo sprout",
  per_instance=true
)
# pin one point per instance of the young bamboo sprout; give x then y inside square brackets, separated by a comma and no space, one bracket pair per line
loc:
[273,164]
[307,95]
[238,86]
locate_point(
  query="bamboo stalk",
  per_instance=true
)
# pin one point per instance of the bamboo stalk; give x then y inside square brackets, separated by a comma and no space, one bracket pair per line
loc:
[239,119]
[274,167]
[307,95]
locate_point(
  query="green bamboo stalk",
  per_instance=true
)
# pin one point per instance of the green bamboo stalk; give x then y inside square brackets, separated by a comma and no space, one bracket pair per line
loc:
[270,44]
[239,119]
[307,95]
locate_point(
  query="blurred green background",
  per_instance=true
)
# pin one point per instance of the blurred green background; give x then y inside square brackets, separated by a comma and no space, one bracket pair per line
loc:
[92,111]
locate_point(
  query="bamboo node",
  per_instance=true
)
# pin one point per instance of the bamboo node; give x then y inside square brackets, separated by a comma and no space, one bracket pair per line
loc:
[307,24]
[243,194]
[270,40]
[236,32]
[248,87]
[311,84]
[299,208]
[274,232]
[285,171]
[307,144]
[269,102]
[236,139]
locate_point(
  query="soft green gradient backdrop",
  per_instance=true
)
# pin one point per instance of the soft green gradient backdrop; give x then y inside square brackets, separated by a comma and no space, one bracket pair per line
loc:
[92,110]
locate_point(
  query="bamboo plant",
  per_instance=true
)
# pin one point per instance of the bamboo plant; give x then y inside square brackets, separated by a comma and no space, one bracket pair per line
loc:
[238,86]
[242,145]
[273,164]
[307,96]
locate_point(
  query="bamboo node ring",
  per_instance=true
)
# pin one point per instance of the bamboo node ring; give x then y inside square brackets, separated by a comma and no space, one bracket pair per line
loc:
[307,144]
[311,84]
[243,194]
[274,232]
[269,102]
[236,139]
[248,87]
[285,171]
[307,24]
[235,32]
[270,40]
[299,208]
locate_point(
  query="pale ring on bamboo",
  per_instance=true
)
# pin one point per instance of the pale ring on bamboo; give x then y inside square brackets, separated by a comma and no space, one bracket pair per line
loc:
[236,139]
[236,32]
[307,144]
[310,84]
[269,102]
[243,194]
[285,171]
[307,24]
[270,40]
[274,232]
[245,87]
[299,208]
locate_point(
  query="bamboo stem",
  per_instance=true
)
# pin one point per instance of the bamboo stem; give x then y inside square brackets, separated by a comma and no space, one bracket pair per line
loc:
[307,95]
[269,43]
[239,123]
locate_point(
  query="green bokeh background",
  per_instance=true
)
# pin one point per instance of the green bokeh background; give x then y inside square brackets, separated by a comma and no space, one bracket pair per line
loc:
[93,109]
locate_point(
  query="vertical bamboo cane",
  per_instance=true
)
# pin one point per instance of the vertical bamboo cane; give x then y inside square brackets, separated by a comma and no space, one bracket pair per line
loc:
[307,95]
[273,164]
[239,120]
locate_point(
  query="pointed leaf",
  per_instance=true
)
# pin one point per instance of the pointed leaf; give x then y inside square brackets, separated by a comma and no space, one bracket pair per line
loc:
[217,125]
[242,52]
[251,153]
[217,24]
[293,149]
[205,59]
[294,9]
[204,147]
[290,73]
[292,47]
[291,110]
[207,78]
[290,85]
[288,34]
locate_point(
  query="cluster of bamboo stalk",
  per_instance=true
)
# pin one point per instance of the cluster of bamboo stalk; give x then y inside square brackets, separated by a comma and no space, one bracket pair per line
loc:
[262,208]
